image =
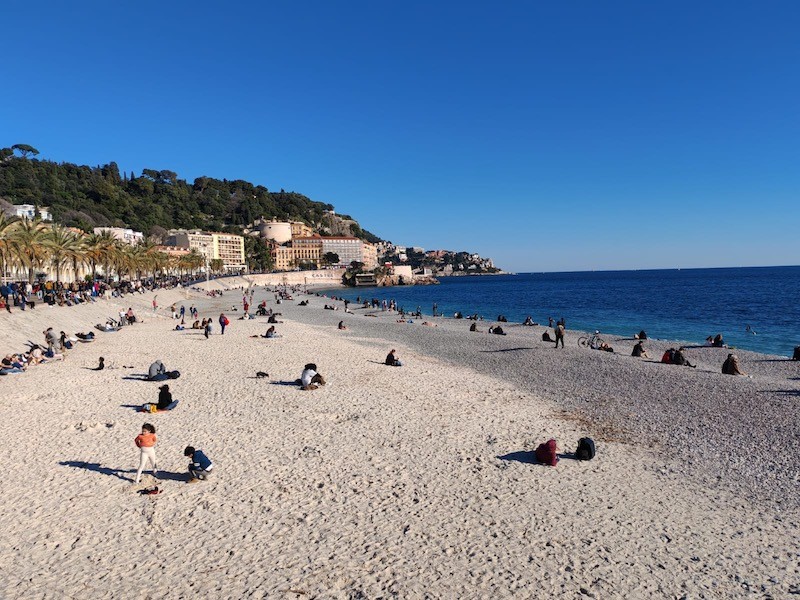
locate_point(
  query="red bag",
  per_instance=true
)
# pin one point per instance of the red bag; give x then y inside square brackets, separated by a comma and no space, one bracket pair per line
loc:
[546,453]
[227,322]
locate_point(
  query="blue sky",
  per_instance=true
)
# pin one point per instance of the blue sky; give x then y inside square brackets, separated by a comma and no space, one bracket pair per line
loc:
[593,135]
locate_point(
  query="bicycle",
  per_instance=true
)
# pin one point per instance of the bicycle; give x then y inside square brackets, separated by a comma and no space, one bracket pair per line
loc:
[593,341]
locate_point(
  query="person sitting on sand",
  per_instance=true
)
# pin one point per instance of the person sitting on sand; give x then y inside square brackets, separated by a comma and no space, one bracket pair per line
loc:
[392,360]
[271,332]
[130,317]
[310,379]
[546,336]
[731,365]
[497,330]
[473,327]
[157,371]
[640,336]
[201,465]
[164,398]
[9,365]
[273,319]
[719,342]
[342,325]
[528,322]
[196,325]
[101,365]
[639,351]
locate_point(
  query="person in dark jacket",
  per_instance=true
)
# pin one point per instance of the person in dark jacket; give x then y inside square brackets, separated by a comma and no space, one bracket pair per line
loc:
[164,397]
[200,467]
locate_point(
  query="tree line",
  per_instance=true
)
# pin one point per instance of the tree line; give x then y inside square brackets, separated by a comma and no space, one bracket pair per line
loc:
[152,201]
[28,246]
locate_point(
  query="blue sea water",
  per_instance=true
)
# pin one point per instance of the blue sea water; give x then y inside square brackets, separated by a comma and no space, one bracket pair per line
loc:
[686,305]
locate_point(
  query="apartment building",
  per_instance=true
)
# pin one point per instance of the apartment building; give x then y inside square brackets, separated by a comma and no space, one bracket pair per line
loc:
[227,247]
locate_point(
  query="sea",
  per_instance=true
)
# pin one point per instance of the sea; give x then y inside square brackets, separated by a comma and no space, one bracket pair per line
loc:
[686,305]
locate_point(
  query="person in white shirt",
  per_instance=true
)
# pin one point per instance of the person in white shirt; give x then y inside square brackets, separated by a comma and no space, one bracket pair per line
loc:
[310,379]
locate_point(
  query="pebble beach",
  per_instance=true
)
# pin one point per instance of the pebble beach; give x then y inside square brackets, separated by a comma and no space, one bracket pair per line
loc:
[409,482]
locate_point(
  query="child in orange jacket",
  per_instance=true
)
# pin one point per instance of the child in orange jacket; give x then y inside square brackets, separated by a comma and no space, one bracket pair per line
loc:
[146,442]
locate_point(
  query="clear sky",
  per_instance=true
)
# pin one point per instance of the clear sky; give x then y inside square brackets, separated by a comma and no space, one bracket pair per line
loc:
[548,135]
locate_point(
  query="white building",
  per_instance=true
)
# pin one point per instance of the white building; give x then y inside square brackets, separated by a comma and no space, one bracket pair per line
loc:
[28,211]
[128,236]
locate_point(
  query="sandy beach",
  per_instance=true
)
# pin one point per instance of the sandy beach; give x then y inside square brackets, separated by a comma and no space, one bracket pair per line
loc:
[410,482]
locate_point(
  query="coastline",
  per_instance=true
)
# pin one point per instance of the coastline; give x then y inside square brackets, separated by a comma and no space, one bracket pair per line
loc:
[407,482]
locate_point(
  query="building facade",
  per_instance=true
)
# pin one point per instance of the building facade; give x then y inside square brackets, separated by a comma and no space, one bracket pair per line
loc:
[127,236]
[347,248]
[28,211]
[227,247]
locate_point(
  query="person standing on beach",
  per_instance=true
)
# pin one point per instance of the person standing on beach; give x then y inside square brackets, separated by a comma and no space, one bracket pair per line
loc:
[207,328]
[146,442]
[223,321]
[155,303]
[435,307]
[560,334]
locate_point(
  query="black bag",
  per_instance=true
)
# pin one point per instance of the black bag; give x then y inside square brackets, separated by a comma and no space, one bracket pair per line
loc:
[585,449]
[173,374]
[796,355]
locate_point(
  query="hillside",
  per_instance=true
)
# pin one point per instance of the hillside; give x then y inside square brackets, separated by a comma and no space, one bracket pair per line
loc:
[154,200]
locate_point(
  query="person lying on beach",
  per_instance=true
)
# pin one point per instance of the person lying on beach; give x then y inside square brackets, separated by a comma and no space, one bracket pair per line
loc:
[497,330]
[342,325]
[201,465]
[392,360]
[426,323]
[305,303]
[639,351]
[604,347]
[731,366]
[85,337]
[546,336]
[310,379]
[10,365]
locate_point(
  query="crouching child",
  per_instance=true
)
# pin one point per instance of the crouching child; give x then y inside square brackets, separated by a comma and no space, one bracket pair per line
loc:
[201,465]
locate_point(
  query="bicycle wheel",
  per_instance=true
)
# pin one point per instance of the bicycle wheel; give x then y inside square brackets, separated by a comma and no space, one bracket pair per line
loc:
[583,341]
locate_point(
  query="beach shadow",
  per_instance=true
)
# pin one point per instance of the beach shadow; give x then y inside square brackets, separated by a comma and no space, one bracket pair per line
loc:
[171,476]
[523,456]
[376,362]
[289,383]
[508,350]
[783,392]
[137,407]
[772,360]
[79,464]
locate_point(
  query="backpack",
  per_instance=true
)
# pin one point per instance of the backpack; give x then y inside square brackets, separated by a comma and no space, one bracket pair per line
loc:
[796,355]
[546,453]
[585,449]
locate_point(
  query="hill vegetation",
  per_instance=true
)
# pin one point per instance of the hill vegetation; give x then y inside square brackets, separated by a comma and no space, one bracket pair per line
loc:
[152,201]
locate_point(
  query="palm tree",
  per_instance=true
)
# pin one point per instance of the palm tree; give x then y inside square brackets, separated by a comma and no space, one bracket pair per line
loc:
[28,244]
[101,249]
[62,245]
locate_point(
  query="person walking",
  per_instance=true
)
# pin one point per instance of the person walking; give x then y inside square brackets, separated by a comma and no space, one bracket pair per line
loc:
[560,334]
[146,442]
[223,322]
